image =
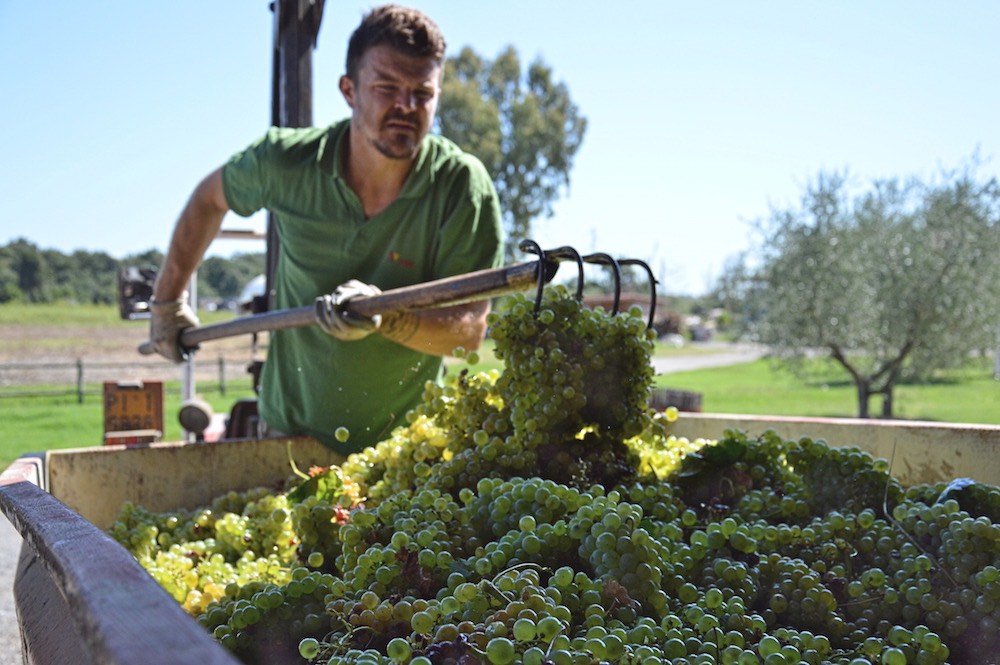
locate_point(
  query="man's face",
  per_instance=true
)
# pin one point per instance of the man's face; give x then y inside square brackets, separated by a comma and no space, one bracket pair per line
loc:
[393,100]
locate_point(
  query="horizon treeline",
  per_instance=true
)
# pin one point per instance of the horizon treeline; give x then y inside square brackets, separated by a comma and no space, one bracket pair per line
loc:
[30,274]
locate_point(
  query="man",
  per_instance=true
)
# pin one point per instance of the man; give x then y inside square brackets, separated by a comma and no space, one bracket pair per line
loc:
[373,202]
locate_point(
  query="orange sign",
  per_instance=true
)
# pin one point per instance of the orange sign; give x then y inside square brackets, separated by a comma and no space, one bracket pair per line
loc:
[133,411]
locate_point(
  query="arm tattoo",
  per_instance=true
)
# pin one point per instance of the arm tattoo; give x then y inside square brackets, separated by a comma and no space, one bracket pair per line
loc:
[400,327]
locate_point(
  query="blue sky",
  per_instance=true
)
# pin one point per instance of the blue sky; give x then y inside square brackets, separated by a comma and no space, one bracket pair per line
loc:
[702,115]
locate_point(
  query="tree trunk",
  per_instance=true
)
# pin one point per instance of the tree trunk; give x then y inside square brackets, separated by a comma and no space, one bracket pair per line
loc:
[864,394]
[887,402]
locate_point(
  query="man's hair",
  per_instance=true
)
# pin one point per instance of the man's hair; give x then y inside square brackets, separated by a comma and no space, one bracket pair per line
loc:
[404,29]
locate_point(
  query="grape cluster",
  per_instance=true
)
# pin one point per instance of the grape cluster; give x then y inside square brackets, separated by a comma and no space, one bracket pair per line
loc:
[201,556]
[570,367]
[458,540]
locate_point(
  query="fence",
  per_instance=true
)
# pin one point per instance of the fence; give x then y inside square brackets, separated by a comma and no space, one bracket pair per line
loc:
[84,378]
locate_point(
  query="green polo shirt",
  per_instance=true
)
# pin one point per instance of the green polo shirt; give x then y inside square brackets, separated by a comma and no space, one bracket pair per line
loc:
[445,222]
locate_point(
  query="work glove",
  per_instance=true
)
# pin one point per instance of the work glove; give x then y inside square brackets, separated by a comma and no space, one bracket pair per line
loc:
[169,318]
[333,317]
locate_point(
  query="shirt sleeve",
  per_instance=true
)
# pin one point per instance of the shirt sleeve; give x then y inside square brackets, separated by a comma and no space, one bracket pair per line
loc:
[472,234]
[243,178]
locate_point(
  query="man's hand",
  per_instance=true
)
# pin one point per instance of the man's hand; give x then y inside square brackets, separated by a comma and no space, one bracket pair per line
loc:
[333,317]
[168,320]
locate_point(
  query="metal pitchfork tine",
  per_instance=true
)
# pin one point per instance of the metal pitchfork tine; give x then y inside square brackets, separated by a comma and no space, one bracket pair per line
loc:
[570,253]
[616,271]
[533,247]
[652,286]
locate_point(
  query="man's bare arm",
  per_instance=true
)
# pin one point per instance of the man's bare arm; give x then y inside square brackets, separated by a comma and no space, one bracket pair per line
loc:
[197,226]
[438,331]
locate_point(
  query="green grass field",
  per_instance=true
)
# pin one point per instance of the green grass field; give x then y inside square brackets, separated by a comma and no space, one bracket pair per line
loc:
[967,396]
[36,424]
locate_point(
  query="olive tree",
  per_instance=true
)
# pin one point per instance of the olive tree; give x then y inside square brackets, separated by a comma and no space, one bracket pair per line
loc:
[523,125]
[892,283]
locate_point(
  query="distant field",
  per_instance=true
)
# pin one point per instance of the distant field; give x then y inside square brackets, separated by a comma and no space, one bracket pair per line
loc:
[90,316]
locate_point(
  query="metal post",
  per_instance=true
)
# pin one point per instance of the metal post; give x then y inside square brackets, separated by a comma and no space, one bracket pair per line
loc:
[79,380]
[296,28]
[996,359]
[188,379]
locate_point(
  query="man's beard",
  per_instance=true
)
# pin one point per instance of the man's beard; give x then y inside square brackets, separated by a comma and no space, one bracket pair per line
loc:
[396,151]
[400,144]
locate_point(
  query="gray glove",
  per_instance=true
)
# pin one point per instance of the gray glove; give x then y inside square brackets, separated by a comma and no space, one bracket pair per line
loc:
[335,320]
[168,320]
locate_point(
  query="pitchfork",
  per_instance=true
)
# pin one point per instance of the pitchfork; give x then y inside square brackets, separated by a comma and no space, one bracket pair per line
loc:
[468,287]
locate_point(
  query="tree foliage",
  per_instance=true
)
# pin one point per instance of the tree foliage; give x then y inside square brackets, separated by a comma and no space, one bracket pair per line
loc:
[892,283]
[30,274]
[226,277]
[524,127]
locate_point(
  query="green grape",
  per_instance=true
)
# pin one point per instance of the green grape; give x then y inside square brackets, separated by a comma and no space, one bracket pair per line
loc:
[548,627]
[422,622]
[309,648]
[893,656]
[398,649]
[500,651]
[533,656]
[768,645]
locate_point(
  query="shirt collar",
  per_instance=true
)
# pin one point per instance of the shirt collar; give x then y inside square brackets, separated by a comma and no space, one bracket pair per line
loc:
[332,146]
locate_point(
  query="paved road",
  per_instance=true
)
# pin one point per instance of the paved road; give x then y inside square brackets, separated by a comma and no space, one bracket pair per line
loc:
[711,355]
[10,540]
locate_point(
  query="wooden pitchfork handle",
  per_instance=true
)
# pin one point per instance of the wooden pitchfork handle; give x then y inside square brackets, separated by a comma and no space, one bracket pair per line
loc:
[468,287]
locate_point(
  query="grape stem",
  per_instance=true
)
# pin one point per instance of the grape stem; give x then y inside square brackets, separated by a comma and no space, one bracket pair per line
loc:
[899,526]
[291,462]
